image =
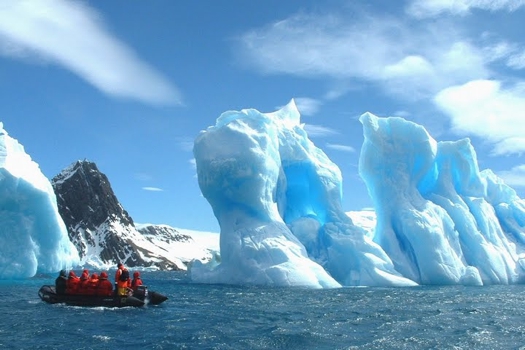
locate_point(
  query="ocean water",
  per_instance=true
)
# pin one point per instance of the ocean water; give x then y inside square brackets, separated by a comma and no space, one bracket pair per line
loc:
[235,317]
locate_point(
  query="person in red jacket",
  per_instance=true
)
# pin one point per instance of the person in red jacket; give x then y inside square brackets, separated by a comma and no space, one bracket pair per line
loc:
[84,281]
[137,281]
[72,283]
[120,266]
[122,280]
[92,285]
[105,287]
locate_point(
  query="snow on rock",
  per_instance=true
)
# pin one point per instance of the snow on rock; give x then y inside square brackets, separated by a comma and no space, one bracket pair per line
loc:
[98,225]
[181,245]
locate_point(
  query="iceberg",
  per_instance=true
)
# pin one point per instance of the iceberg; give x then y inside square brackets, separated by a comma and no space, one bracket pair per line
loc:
[277,198]
[32,234]
[439,218]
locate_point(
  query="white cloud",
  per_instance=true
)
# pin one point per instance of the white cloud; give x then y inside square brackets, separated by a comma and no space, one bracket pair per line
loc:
[402,114]
[319,131]
[431,8]
[71,34]
[327,45]
[514,177]
[501,50]
[343,148]
[509,146]
[406,58]
[307,106]
[337,91]
[152,189]
[485,109]
[409,66]
[517,61]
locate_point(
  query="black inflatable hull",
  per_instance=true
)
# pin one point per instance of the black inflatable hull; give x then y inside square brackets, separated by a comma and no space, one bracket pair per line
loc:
[47,293]
[148,296]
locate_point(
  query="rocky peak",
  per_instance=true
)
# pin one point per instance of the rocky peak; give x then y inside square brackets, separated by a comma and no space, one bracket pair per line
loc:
[98,225]
[88,195]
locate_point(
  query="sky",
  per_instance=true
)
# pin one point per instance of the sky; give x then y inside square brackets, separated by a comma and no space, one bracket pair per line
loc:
[130,84]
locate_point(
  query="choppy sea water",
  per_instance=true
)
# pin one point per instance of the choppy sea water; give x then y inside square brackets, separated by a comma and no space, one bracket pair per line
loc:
[228,317]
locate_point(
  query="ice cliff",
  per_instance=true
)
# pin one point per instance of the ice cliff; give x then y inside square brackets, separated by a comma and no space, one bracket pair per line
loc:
[33,236]
[439,218]
[277,198]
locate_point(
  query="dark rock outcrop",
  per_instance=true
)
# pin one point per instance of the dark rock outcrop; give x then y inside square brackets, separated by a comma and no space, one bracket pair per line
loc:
[98,225]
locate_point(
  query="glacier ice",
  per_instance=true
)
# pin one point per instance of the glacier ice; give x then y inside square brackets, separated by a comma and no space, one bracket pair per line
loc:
[33,236]
[277,198]
[439,218]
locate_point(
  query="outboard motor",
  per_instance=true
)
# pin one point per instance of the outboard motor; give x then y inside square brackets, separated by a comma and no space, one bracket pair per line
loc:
[141,293]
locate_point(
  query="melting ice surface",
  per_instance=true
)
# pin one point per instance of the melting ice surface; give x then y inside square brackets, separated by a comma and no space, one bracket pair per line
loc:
[277,198]
[33,237]
[439,218]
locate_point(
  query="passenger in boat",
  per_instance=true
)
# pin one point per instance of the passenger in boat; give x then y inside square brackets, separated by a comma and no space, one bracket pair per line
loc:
[120,266]
[122,280]
[117,275]
[61,282]
[105,287]
[72,283]
[84,281]
[137,281]
[92,284]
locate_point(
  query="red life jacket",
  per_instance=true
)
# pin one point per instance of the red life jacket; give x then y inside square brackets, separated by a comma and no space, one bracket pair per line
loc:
[72,285]
[92,285]
[136,282]
[123,280]
[83,285]
[117,274]
[105,287]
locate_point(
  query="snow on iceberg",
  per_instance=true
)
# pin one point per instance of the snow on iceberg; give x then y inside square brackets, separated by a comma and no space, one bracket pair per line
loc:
[33,237]
[277,199]
[439,218]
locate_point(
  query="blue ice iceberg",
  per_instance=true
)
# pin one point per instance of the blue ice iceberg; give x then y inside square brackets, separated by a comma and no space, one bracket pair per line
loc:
[277,199]
[33,237]
[439,218]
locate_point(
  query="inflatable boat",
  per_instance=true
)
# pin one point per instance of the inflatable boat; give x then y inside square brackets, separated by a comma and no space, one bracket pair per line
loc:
[140,297]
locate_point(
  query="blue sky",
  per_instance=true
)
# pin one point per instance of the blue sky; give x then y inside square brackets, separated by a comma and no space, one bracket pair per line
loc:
[129,84]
